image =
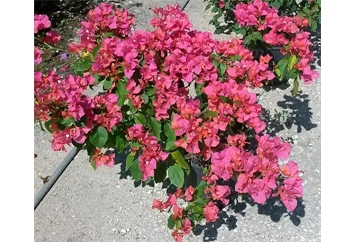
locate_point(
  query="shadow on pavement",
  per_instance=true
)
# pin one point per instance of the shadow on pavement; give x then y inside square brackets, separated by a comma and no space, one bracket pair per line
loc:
[272,208]
[300,112]
[295,111]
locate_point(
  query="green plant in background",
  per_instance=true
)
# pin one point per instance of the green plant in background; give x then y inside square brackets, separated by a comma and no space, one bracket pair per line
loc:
[224,19]
[280,33]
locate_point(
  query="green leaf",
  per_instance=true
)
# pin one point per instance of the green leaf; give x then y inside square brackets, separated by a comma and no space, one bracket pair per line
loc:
[179,159]
[237,57]
[276,5]
[293,73]
[99,137]
[216,63]
[150,91]
[170,146]
[169,132]
[200,202]
[120,143]
[122,92]
[83,65]
[90,147]
[92,163]
[281,69]
[129,160]
[217,16]
[200,188]
[148,109]
[207,6]
[160,172]
[107,84]
[306,10]
[95,51]
[292,61]
[256,36]
[171,222]
[214,56]
[314,25]
[140,118]
[227,5]
[210,114]
[136,171]
[107,34]
[295,87]
[145,98]
[197,210]
[178,223]
[176,175]
[47,124]
[198,88]
[222,68]
[97,78]
[214,9]
[67,122]
[155,126]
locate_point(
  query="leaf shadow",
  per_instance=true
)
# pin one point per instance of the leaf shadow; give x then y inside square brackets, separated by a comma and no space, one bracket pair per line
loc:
[299,114]
[300,111]
[272,208]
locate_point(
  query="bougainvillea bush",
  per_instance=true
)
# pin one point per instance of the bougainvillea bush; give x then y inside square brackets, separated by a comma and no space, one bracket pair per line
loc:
[173,99]
[309,9]
[266,28]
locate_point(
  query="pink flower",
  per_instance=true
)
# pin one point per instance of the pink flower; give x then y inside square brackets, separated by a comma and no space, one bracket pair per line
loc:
[157,204]
[180,125]
[211,212]
[220,192]
[189,193]
[242,182]
[186,226]
[38,53]
[136,131]
[289,192]
[290,169]
[178,236]
[178,193]
[309,75]
[52,37]
[177,212]
[41,22]
[100,159]
[221,164]
[170,201]
[60,139]
[259,191]
[221,4]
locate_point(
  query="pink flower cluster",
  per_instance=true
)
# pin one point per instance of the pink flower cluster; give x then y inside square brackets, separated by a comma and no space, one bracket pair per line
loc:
[257,174]
[101,159]
[59,99]
[42,22]
[285,32]
[150,152]
[102,20]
